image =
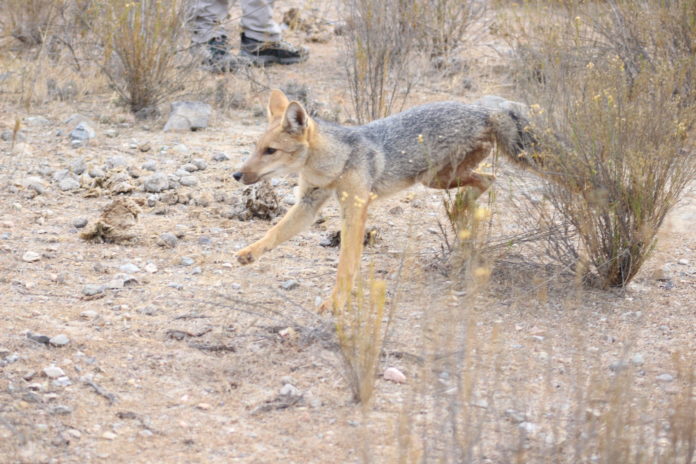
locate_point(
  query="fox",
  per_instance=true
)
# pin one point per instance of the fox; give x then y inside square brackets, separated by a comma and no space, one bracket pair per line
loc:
[436,144]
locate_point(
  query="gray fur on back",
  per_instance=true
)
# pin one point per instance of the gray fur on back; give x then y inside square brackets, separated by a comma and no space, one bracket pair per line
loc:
[396,150]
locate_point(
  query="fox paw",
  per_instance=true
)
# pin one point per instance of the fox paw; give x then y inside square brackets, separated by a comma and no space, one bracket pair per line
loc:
[246,256]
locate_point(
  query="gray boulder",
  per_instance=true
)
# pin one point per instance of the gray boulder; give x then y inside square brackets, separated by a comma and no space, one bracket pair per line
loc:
[188,116]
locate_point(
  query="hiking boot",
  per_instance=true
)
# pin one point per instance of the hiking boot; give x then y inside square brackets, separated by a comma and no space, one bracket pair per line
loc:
[220,59]
[265,53]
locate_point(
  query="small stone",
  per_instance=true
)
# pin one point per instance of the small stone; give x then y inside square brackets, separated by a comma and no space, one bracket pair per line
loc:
[289,285]
[129,268]
[175,285]
[528,427]
[92,289]
[145,433]
[186,261]
[62,382]
[156,183]
[188,116]
[189,167]
[189,181]
[196,270]
[683,262]
[89,314]
[109,435]
[204,406]
[61,410]
[618,366]
[151,268]
[394,375]
[68,184]
[290,390]
[180,149]
[665,378]
[168,240]
[116,161]
[199,163]
[147,310]
[204,240]
[30,257]
[36,121]
[515,416]
[79,223]
[149,165]
[34,183]
[74,433]
[82,132]
[53,372]
[220,156]
[78,166]
[111,133]
[38,338]
[144,147]
[59,340]
[96,172]
[637,359]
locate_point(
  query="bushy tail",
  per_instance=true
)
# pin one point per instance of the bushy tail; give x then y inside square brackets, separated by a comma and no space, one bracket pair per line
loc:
[513,133]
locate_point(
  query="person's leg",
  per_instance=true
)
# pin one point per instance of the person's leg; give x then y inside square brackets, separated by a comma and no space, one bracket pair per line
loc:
[205,19]
[257,21]
[261,39]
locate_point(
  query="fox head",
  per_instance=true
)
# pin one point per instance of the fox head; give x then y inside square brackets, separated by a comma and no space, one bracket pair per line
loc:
[283,148]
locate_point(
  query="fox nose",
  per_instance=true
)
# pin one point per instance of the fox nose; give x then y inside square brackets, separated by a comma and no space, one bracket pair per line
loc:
[237,176]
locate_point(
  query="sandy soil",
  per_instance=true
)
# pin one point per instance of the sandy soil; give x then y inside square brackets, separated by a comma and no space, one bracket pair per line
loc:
[185,362]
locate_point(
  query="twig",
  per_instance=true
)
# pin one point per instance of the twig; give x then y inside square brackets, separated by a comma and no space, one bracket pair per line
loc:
[101,392]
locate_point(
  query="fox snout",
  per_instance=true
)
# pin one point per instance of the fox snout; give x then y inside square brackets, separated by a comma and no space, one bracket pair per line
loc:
[245,177]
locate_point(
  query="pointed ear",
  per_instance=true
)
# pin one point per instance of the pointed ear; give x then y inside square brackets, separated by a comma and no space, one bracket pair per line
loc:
[277,104]
[295,120]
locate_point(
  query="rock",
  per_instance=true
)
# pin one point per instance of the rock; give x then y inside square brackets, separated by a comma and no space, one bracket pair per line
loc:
[89,314]
[220,156]
[396,211]
[109,435]
[144,147]
[92,289]
[394,375]
[156,183]
[528,427]
[96,173]
[186,261]
[78,166]
[204,240]
[30,257]
[151,268]
[188,116]
[111,133]
[199,163]
[7,136]
[35,121]
[204,406]
[167,240]
[683,262]
[53,372]
[290,390]
[129,268]
[189,181]
[150,165]
[59,340]
[618,366]
[147,310]
[82,132]
[38,338]
[515,416]
[665,378]
[79,223]
[637,359]
[116,161]
[189,167]
[68,184]
[34,183]
[289,285]
[61,410]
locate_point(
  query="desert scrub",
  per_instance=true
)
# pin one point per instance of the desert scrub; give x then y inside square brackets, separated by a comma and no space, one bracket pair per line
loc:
[141,48]
[612,101]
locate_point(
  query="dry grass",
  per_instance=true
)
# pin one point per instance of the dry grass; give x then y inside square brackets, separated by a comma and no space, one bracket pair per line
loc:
[613,108]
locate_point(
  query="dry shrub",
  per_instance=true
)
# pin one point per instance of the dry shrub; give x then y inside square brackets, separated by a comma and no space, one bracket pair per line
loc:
[382,55]
[31,21]
[611,87]
[445,24]
[141,48]
[359,330]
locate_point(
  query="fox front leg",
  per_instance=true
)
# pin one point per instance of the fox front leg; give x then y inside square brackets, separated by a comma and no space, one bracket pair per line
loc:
[354,212]
[299,217]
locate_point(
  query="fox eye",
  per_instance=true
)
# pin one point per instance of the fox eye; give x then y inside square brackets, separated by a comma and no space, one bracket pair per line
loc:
[269,151]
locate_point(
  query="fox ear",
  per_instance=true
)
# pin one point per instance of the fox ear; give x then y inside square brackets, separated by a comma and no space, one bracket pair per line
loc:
[277,104]
[295,120]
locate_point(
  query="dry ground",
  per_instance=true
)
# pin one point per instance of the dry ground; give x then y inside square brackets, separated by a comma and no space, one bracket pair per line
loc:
[185,365]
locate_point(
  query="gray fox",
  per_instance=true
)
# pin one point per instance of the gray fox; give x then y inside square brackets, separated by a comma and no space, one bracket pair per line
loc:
[436,144]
